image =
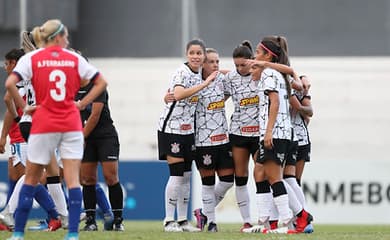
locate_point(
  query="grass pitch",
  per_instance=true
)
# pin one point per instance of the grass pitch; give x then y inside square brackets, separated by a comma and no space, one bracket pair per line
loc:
[141,230]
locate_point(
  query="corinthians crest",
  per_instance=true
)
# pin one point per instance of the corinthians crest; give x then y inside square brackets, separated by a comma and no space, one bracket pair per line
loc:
[206,159]
[175,147]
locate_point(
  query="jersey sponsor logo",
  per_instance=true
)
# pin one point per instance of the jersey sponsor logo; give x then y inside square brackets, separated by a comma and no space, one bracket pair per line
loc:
[249,101]
[280,156]
[56,63]
[216,105]
[218,138]
[194,99]
[175,147]
[207,159]
[185,127]
[250,129]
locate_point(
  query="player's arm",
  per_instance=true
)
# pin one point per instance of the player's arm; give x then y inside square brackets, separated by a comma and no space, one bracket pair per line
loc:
[303,109]
[93,119]
[7,123]
[11,106]
[10,85]
[272,115]
[99,86]
[180,92]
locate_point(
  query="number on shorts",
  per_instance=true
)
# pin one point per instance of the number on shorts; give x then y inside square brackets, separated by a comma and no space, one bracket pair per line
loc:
[58,76]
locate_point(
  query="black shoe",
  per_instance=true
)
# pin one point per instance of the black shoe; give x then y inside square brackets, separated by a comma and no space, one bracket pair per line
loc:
[212,227]
[118,226]
[90,224]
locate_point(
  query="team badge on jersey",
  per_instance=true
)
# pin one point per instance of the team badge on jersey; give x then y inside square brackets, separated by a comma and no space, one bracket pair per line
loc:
[175,147]
[206,159]
[280,156]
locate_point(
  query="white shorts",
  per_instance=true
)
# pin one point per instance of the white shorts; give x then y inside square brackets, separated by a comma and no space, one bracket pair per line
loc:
[18,153]
[41,146]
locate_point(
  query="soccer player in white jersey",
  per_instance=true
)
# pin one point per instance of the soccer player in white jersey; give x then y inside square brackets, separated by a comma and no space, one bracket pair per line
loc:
[276,130]
[176,135]
[213,152]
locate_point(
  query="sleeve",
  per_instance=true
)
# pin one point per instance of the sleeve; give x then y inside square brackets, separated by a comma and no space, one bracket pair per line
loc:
[86,70]
[269,81]
[23,68]
[179,78]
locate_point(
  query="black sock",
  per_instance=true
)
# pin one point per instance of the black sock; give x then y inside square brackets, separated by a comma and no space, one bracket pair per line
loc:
[89,198]
[116,199]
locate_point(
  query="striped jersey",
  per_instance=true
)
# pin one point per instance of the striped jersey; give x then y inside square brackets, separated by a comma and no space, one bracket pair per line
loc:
[299,124]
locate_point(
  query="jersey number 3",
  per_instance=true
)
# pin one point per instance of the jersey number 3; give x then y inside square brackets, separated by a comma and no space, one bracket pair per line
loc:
[59,77]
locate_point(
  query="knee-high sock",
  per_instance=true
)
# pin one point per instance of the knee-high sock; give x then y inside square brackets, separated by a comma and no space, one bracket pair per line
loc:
[293,201]
[55,189]
[75,198]
[292,182]
[209,203]
[44,199]
[242,197]
[116,199]
[11,187]
[220,190]
[14,199]
[24,206]
[184,197]
[281,200]
[171,196]
[89,199]
[102,200]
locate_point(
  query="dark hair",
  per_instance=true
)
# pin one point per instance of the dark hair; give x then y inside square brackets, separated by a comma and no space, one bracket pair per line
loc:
[244,50]
[277,47]
[196,42]
[14,54]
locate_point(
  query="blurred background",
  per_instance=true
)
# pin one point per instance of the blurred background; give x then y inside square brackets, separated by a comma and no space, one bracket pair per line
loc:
[342,45]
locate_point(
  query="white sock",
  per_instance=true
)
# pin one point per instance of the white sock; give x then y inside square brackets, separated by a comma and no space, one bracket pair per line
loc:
[264,203]
[220,190]
[58,196]
[293,201]
[14,199]
[297,189]
[171,195]
[281,203]
[208,199]
[184,197]
[242,197]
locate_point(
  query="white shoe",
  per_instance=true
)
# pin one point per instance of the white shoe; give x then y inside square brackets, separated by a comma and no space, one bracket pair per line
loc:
[253,229]
[83,216]
[187,227]
[172,227]
[64,221]
[7,219]
[281,230]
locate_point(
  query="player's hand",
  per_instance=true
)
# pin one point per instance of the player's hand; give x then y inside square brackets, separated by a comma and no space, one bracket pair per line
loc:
[2,145]
[79,105]
[169,97]
[268,143]
[29,109]
[211,77]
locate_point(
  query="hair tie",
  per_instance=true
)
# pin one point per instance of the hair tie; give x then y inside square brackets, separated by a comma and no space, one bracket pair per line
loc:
[60,28]
[268,50]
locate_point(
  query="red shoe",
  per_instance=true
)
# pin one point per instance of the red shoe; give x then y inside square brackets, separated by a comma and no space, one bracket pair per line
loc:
[245,226]
[273,224]
[302,221]
[4,227]
[54,224]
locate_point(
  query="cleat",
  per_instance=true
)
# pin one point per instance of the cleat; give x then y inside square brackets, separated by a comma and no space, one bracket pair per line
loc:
[201,219]
[108,221]
[72,236]
[302,221]
[64,221]
[16,236]
[4,227]
[212,227]
[253,229]
[7,219]
[172,226]
[118,225]
[187,227]
[309,228]
[42,226]
[83,216]
[281,230]
[90,224]
[54,224]
[273,224]
[245,226]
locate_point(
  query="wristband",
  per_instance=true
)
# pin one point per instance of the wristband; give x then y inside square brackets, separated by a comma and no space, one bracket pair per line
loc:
[17,119]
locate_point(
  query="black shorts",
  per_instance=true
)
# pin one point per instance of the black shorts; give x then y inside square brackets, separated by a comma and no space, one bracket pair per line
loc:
[101,149]
[250,143]
[214,157]
[292,153]
[176,145]
[304,152]
[278,153]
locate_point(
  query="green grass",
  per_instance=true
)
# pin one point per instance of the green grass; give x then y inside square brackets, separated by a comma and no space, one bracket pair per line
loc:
[137,230]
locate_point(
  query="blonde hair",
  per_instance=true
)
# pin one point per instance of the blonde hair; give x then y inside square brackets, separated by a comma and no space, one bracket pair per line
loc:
[49,30]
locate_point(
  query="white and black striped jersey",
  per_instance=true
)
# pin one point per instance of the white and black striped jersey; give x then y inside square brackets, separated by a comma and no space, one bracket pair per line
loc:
[244,93]
[178,116]
[26,90]
[211,127]
[272,81]
[298,122]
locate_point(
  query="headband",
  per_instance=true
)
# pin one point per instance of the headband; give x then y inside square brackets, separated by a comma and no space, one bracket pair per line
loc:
[60,28]
[268,50]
